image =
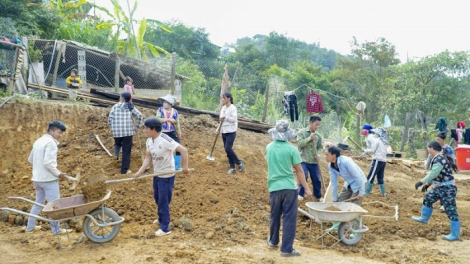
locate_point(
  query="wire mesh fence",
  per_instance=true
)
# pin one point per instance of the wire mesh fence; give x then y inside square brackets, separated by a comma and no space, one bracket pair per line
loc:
[105,70]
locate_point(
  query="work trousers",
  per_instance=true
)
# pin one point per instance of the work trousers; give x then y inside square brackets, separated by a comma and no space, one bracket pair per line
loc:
[162,193]
[445,193]
[376,168]
[347,193]
[228,139]
[313,170]
[44,191]
[285,203]
[126,144]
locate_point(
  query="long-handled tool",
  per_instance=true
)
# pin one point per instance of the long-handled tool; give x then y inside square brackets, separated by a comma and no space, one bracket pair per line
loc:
[75,180]
[103,178]
[210,157]
[101,143]
[318,164]
[138,139]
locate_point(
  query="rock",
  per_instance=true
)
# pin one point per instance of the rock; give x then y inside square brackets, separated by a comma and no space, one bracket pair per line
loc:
[121,211]
[19,220]
[355,250]
[431,236]
[24,241]
[187,226]
[214,200]
[422,233]
[149,259]
[6,171]
[218,228]
[209,235]
[443,252]
[150,235]
[165,259]
[11,219]
[4,216]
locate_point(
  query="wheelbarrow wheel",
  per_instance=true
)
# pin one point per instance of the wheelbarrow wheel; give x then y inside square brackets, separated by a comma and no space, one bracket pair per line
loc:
[346,232]
[100,234]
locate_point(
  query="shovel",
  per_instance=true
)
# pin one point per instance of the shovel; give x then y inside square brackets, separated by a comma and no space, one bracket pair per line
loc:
[210,157]
[103,178]
[75,180]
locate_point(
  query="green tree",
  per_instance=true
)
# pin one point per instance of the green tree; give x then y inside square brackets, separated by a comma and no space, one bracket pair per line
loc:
[30,17]
[187,42]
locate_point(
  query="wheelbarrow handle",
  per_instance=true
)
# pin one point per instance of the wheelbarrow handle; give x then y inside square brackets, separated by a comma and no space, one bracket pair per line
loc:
[26,200]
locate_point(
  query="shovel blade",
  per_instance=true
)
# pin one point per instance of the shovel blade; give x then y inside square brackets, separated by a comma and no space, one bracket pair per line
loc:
[210,157]
[74,184]
[95,178]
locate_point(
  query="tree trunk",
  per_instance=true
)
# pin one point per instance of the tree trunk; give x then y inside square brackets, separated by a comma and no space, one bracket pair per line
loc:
[404,138]
[266,97]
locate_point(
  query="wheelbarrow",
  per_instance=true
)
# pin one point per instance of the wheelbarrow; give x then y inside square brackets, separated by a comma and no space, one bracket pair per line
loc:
[101,224]
[351,229]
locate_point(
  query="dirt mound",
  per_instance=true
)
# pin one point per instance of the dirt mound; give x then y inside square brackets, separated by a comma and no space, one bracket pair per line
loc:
[210,210]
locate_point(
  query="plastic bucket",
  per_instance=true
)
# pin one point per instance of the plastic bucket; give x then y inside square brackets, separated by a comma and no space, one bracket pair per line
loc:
[462,154]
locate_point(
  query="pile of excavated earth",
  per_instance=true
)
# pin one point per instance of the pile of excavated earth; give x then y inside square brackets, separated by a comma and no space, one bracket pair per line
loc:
[216,217]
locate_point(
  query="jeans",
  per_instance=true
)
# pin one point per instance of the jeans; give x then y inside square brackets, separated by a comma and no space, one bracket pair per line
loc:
[228,139]
[285,203]
[162,193]
[126,144]
[44,191]
[173,135]
[315,176]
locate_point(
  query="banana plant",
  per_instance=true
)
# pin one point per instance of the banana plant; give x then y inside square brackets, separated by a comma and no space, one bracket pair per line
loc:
[70,9]
[132,44]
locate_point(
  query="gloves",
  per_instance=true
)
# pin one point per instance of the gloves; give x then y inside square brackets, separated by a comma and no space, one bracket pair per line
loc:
[425,188]
[418,184]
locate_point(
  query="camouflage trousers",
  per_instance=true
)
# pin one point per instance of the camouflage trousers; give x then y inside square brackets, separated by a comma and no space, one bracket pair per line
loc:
[447,194]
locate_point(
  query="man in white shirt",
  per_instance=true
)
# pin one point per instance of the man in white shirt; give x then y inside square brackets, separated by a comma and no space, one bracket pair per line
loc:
[46,176]
[160,148]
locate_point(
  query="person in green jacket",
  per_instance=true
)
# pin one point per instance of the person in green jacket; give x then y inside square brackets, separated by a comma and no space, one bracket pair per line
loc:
[310,147]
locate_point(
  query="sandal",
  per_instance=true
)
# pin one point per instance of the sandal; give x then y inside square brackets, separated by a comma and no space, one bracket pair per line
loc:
[294,253]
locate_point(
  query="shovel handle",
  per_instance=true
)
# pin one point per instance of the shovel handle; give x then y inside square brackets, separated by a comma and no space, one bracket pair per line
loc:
[216,137]
[145,176]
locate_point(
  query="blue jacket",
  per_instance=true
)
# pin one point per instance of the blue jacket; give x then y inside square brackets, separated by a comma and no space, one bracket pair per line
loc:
[351,173]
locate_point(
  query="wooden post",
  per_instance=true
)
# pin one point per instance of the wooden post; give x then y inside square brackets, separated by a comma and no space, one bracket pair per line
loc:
[358,127]
[404,138]
[56,67]
[234,77]
[266,97]
[117,68]
[173,72]
[425,128]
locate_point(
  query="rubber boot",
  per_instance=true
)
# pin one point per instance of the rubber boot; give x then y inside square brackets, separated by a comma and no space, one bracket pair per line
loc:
[334,227]
[177,162]
[382,189]
[425,214]
[368,188]
[454,231]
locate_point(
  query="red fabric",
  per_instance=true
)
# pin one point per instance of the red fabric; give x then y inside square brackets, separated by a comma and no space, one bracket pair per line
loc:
[461,124]
[314,104]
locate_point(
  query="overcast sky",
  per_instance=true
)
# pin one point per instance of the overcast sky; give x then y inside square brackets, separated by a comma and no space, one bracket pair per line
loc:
[416,27]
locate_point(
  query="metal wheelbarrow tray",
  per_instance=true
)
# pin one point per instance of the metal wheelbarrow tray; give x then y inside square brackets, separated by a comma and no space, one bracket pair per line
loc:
[72,206]
[351,230]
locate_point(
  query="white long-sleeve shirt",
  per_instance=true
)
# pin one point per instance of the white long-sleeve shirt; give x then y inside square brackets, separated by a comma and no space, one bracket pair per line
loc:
[43,157]
[230,123]
[378,150]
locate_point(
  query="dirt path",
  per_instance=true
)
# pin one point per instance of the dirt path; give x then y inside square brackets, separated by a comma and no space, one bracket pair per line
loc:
[216,217]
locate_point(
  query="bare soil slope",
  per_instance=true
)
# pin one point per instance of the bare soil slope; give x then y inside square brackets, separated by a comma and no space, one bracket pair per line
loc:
[216,217]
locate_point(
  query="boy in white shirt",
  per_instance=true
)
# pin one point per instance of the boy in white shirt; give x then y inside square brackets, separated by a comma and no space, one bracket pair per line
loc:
[160,148]
[46,176]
